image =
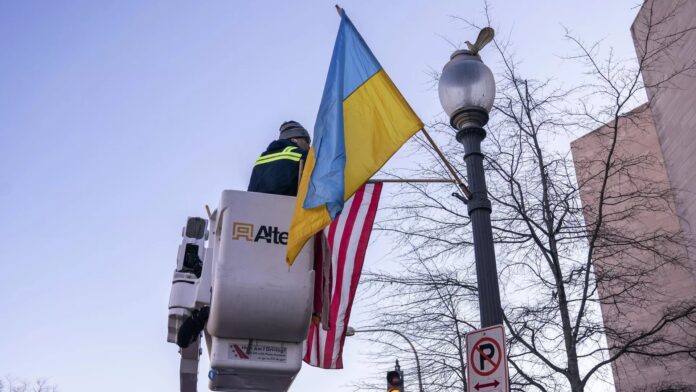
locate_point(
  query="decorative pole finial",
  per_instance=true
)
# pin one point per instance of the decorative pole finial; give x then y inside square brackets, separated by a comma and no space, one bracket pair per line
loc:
[485,36]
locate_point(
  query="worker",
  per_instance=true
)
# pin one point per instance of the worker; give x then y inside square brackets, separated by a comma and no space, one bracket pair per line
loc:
[277,170]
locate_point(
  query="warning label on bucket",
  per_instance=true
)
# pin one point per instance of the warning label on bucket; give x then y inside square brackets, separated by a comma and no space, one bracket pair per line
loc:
[262,352]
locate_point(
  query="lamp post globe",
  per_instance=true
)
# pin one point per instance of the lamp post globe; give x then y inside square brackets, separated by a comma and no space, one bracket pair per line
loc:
[466,86]
[467,93]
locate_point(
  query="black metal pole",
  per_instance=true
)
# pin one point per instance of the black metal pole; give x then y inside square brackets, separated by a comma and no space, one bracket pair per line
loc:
[469,123]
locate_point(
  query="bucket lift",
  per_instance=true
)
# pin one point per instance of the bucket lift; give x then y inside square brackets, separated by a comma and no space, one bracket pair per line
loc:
[260,309]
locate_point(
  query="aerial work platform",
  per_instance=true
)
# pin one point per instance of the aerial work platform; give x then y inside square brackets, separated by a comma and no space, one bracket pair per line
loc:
[260,308]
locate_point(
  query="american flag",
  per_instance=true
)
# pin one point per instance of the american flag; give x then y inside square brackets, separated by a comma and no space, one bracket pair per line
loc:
[347,238]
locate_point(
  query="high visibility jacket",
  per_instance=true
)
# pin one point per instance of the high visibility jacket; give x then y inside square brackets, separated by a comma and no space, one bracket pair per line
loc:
[277,170]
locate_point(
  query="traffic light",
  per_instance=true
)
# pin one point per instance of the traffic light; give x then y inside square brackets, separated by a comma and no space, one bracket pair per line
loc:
[395,379]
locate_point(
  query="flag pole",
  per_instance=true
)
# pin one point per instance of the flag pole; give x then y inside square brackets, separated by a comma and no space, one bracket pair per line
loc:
[411,180]
[455,177]
[299,175]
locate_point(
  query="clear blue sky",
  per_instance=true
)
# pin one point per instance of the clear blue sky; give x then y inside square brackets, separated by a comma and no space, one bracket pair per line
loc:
[119,119]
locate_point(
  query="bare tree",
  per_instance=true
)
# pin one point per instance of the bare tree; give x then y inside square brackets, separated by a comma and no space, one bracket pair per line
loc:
[12,384]
[439,302]
[567,249]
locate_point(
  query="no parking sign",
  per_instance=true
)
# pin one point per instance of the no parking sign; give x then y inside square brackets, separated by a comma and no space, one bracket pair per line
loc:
[487,360]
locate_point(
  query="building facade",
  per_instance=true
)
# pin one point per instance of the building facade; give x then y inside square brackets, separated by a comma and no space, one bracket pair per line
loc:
[643,268]
[667,27]
[651,195]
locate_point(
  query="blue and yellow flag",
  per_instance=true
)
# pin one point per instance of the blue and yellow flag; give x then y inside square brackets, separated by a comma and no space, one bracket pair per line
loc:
[362,121]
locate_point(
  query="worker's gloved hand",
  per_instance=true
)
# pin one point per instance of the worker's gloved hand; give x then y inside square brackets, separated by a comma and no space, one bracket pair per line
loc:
[192,327]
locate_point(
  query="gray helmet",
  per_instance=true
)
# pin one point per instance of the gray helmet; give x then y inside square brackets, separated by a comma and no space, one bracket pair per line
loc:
[291,129]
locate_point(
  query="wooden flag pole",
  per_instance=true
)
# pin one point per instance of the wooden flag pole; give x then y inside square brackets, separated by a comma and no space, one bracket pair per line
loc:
[455,177]
[299,175]
[410,180]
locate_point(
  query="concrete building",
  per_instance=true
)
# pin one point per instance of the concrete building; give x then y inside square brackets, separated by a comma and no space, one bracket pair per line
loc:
[670,81]
[636,281]
[653,190]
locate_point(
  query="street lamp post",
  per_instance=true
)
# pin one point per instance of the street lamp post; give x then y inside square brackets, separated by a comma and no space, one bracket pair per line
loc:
[350,331]
[467,91]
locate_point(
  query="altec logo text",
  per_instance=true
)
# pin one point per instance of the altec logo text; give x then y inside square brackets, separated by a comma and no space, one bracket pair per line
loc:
[270,234]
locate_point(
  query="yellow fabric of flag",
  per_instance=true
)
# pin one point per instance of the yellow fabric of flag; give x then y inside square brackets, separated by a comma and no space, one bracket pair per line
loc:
[362,122]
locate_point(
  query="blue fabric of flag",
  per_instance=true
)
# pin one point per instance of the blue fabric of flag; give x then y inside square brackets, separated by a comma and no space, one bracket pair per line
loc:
[352,64]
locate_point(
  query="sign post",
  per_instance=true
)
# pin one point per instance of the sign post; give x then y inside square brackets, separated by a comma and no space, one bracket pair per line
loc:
[487,360]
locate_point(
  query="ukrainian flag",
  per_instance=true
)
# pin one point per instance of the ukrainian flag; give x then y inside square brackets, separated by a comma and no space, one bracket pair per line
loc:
[362,122]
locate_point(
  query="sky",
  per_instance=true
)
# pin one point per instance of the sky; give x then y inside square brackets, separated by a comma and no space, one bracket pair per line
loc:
[118,119]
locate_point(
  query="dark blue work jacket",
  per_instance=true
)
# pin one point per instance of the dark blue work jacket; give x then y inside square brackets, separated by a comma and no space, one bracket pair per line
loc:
[277,169]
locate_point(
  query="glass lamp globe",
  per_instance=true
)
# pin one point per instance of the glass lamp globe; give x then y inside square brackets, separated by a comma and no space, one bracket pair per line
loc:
[466,82]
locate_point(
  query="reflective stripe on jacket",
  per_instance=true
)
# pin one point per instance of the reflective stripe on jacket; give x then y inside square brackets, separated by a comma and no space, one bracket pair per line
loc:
[276,171]
[285,154]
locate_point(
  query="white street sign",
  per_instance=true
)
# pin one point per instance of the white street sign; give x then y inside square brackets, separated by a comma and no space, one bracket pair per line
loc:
[487,360]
